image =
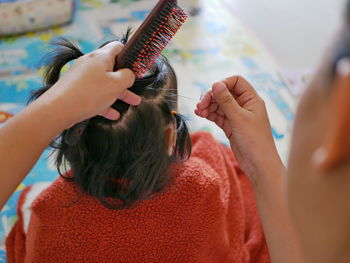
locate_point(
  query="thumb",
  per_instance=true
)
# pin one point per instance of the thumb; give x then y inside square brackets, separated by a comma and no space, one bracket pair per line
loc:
[123,77]
[130,98]
[110,114]
[226,101]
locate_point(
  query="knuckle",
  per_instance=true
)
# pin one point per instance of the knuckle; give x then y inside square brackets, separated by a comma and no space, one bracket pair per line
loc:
[88,58]
[91,55]
[240,80]
[130,82]
[261,101]
[234,78]
[119,44]
[118,49]
[226,98]
[82,59]
[100,52]
[129,77]
[122,95]
[114,47]
[115,43]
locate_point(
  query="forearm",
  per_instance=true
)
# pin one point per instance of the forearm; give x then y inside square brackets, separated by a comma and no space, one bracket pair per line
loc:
[272,205]
[235,107]
[76,96]
[23,139]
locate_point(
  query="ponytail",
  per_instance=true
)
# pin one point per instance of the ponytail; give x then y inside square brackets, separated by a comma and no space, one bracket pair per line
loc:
[182,149]
[65,52]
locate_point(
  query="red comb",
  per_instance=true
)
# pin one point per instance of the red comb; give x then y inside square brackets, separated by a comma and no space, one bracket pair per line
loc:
[152,37]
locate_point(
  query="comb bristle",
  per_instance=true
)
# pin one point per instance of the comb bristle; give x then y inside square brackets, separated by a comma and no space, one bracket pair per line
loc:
[154,38]
[158,41]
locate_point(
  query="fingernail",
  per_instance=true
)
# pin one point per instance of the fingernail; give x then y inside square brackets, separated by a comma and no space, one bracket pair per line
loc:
[218,87]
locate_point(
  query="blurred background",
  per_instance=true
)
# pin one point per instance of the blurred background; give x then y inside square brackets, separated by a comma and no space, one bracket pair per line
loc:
[296,32]
[275,44]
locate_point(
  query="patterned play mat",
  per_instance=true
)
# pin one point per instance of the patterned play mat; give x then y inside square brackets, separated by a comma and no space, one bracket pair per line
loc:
[212,45]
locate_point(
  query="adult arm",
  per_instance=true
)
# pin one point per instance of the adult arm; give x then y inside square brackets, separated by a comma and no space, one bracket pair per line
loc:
[235,107]
[89,88]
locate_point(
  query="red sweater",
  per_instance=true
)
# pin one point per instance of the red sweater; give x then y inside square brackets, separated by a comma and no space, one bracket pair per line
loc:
[208,214]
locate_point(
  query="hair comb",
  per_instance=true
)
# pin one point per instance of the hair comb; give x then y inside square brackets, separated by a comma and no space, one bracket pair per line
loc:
[151,37]
[143,48]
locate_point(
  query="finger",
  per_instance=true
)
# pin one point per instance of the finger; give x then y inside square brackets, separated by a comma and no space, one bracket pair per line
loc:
[123,78]
[111,114]
[238,85]
[226,101]
[197,112]
[206,101]
[130,98]
[220,112]
[212,117]
[213,107]
[227,129]
[222,123]
[204,113]
[219,120]
[113,48]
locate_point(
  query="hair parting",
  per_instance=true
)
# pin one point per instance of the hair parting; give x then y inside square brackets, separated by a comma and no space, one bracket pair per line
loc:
[124,161]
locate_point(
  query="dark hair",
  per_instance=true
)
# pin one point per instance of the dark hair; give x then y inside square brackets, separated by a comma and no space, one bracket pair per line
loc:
[121,162]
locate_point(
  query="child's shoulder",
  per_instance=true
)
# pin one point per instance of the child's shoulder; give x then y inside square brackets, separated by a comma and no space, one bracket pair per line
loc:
[204,144]
[210,168]
[195,173]
[59,192]
[215,154]
[199,136]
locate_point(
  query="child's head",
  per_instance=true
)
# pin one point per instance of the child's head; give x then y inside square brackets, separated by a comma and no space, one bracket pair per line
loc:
[319,165]
[121,162]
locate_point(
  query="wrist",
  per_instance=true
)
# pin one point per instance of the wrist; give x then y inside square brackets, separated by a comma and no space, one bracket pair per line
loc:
[269,176]
[267,170]
[54,111]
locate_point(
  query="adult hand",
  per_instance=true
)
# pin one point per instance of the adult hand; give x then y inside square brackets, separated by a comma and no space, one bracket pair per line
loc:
[90,86]
[236,107]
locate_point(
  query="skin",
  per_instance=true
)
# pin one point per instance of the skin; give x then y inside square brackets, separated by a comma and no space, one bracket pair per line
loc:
[170,136]
[319,166]
[86,90]
[235,107]
[308,220]
[318,181]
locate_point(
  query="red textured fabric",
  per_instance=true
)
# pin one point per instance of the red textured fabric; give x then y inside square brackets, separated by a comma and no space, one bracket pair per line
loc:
[15,242]
[208,214]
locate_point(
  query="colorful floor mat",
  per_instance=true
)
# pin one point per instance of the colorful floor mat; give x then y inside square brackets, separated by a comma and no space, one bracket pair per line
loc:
[212,45]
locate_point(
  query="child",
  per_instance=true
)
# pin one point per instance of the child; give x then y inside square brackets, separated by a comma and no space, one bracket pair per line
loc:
[135,193]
